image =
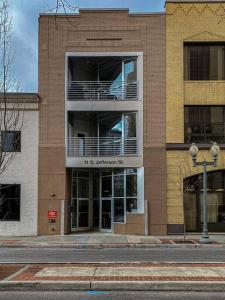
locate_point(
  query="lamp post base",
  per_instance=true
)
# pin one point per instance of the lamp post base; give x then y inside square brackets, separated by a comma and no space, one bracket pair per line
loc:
[205,240]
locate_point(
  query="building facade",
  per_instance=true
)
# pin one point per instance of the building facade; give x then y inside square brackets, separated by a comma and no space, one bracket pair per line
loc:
[19,181]
[102,155]
[195,39]
[122,97]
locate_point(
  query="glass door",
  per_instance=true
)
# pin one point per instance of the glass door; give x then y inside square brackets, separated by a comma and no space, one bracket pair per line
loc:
[80,204]
[106,215]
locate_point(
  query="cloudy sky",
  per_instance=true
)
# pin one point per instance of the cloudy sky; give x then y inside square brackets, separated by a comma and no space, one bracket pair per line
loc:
[25,22]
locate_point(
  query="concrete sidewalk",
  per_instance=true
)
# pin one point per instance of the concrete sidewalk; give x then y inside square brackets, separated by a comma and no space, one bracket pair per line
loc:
[99,240]
[196,277]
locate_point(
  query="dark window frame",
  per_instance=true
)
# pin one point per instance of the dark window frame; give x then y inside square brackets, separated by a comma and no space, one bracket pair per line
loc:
[203,128]
[206,63]
[15,146]
[7,200]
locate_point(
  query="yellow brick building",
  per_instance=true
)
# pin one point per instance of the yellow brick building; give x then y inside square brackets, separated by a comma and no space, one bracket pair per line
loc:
[195,37]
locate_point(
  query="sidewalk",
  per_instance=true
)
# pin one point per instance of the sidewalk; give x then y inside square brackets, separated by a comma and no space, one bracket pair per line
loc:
[99,240]
[195,277]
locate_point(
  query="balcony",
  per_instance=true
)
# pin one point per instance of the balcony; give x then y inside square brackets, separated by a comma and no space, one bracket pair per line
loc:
[103,139]
[102,147]
[102,91]
[103,83]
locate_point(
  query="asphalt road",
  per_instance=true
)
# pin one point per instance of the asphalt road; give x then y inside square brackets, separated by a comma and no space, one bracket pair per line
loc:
[28,255]
[110,295]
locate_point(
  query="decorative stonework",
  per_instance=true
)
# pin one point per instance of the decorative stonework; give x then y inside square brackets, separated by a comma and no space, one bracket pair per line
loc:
[205,36]
[200,9]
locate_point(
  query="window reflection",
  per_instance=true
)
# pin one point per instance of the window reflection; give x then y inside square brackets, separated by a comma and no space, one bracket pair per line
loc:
[204,124]
[193,202]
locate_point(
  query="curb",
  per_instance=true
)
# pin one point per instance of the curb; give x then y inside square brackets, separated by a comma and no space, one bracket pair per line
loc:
[112,286]
[114,246]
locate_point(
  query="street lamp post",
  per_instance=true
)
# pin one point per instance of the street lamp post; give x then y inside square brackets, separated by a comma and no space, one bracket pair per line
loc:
[215,149]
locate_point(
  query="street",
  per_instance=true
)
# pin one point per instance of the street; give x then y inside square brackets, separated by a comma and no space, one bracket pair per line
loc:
[59,255]
[110,295]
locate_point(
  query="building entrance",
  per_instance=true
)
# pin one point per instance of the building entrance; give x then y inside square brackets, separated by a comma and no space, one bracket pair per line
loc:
[102,197]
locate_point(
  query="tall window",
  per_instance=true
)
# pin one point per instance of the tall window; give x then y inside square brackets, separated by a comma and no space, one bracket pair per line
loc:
[9,202]
[125,193]
[204,124]
[204,61]
[11,141]
[193,202]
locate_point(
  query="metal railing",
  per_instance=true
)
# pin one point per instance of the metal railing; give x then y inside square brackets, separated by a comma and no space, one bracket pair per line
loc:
[196,132]
[102,146]
[102,91]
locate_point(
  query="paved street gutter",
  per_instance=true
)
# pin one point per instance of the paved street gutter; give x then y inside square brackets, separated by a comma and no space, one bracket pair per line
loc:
[112,246]
[113,286]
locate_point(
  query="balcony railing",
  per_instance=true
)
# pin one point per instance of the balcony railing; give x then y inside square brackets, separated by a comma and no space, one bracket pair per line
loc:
[102,91]
[102,146]
[204,133]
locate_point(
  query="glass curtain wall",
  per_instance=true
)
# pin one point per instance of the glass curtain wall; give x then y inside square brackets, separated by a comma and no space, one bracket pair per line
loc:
[114,193]
[123,191]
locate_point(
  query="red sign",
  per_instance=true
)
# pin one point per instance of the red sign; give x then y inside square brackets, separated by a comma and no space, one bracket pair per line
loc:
[52,214]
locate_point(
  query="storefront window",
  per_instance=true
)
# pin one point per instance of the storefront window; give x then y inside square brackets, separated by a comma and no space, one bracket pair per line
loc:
[131,205]
[131,190]
[119,210]
[119,185]
[193,202]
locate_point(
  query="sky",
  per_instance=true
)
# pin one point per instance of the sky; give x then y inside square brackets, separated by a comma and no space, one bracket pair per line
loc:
[24,15]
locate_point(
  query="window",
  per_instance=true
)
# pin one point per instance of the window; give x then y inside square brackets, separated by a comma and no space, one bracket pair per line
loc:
[125,193]
[204,124]
[119,195]
[193,201]
[131,190]
[11,141]
[204,61]
[9,202]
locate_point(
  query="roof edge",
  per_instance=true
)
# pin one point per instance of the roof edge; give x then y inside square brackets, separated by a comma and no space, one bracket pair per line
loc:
[194,1]
[21,97]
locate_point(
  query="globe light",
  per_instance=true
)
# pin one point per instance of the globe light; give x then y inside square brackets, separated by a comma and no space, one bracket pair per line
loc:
[193,151]
[215,150]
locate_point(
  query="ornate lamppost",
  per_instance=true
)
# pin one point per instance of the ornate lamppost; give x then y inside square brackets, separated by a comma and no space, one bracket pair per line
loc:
[215,150]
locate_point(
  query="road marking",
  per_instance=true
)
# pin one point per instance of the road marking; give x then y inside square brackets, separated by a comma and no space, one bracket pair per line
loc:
[17,273]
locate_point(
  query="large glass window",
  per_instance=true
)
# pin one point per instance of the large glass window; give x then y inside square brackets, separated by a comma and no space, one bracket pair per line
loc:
[118,210]
[9,202]
[204,124]
[11,141]
[204,61]
[193,202]
[119,196]
[131,190]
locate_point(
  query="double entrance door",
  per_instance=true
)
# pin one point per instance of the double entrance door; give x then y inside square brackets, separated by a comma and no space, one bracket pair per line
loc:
[91,202]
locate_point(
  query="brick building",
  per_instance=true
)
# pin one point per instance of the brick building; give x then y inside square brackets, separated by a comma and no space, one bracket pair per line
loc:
[122,97]
[195,38]
[102,157]
[19,181]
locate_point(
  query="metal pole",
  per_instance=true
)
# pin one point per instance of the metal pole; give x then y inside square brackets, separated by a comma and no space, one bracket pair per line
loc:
[205,234]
